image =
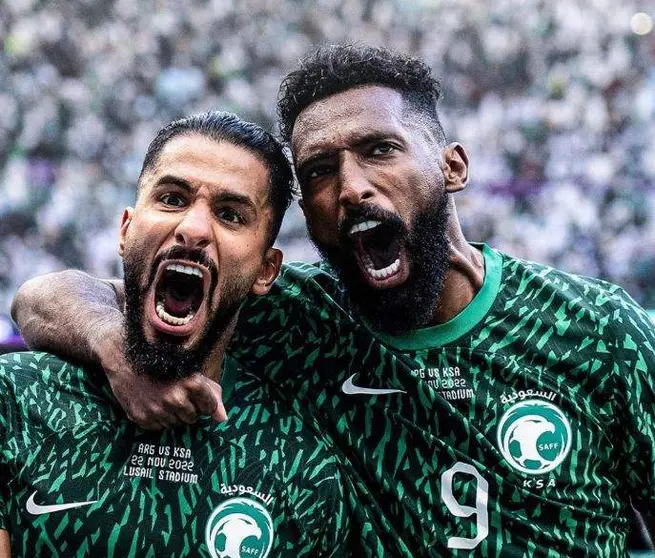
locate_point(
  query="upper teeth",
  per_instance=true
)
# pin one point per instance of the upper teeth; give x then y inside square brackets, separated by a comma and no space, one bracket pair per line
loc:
[364,226]
[189,270]
[380,273]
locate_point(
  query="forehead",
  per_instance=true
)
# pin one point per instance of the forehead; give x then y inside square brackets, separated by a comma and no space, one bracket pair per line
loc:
[346,116]
[202,161]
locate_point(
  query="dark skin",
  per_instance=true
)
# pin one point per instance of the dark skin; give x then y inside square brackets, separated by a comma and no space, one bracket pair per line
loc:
[372,148]
[360,145]
[363,146]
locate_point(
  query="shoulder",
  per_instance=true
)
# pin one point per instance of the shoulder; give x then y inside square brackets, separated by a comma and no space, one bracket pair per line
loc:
[561,293]
[23,368]
[44,386]
[583,312]
[300,286]
[305,304]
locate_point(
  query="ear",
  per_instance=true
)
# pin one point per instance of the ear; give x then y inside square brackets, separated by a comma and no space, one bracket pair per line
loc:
[268,273]
[455,166]
[122,233]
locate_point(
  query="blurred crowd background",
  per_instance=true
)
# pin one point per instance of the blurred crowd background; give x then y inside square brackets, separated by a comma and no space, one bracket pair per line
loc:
[553,99]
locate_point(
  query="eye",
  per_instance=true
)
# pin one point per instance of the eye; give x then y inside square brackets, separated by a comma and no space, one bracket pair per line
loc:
[173,199]
[317,171]
[382,148]
[230,215]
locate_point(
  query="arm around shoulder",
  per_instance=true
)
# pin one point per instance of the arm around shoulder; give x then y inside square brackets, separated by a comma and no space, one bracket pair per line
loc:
[66,312]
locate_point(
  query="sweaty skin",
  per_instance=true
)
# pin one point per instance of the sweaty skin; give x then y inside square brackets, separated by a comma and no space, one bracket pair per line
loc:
[362,146]
[346,139]
[220,183]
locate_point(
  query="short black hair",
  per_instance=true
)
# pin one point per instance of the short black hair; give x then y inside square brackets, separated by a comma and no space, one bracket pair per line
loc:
[335,68]
[225,126]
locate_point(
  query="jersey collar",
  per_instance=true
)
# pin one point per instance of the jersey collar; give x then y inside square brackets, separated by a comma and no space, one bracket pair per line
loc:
[465,321]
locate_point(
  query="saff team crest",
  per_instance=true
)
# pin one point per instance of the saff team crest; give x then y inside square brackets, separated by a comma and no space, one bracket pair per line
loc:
[239,528]
[534,436]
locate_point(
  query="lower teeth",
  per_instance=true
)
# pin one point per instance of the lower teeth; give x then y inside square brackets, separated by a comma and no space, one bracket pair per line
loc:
[170,319]
[381,273]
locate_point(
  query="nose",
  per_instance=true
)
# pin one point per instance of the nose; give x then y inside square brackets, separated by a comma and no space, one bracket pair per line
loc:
[195,228]
[355,187]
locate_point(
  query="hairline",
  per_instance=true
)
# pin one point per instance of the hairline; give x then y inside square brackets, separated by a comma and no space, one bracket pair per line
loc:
[411,109]
[154,163]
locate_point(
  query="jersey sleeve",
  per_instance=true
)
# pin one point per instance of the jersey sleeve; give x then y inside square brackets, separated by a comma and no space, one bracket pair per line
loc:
[634,366]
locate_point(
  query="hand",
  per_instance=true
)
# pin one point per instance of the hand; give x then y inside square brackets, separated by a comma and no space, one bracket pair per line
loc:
[152,405]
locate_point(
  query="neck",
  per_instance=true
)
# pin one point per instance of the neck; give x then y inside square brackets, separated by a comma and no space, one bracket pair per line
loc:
[463,279]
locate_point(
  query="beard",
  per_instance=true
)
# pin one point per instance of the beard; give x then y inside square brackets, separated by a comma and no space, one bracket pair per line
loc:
[165,359]
[412,304]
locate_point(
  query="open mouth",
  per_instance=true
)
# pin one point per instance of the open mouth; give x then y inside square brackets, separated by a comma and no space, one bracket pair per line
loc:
[380,253]
[179,297]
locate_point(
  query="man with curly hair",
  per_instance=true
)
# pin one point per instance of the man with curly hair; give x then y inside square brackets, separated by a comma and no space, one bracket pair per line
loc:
[479,402]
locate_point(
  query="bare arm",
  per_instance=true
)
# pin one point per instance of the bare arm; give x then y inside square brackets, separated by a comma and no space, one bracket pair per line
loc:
[69,313]
[5,549]
[78,317]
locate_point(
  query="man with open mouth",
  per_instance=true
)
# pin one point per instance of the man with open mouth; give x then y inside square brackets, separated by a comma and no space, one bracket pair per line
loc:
[485,404]
[78,478]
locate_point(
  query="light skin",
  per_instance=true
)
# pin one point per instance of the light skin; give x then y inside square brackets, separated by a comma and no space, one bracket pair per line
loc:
[210,196]
[200,195]
[365,146]
[355,146]
[94,331]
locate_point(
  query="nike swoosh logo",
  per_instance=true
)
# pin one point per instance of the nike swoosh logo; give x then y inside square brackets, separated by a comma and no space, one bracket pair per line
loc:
[349,388]
[36,509]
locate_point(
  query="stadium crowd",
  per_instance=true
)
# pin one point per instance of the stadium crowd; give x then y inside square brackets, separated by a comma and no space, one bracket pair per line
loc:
[554,101]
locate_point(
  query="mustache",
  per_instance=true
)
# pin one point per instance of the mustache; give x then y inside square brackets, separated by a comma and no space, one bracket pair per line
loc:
[392,222]
[195,255]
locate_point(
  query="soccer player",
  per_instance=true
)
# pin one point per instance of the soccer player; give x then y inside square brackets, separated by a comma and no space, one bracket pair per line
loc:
[79,479]
[486,405]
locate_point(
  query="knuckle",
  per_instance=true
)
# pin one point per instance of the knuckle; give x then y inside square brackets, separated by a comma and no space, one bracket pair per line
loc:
[154,411]
[194,382]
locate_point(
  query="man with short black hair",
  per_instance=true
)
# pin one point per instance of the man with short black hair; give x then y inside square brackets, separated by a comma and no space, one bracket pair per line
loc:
[78,478]
[483,403]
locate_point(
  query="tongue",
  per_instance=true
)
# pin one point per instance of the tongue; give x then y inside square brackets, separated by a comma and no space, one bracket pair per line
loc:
[382,255]
[177,307]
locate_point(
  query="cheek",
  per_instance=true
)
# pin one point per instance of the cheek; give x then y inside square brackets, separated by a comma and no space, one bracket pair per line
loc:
[241,254]
[322,216]
[421,192]
[236,279]
[143,240]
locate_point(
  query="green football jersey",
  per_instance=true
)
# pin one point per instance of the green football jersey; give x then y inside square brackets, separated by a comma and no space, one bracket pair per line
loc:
[78,479]
[522,427]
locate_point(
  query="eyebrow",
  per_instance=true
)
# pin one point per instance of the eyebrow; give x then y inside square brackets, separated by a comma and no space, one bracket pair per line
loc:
[355,140]
[175,180]
[223,195]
